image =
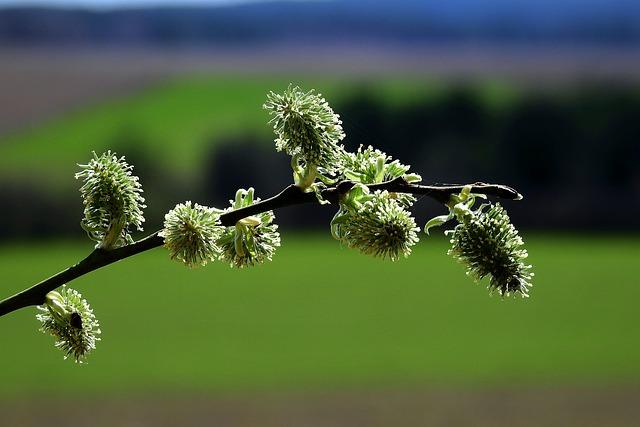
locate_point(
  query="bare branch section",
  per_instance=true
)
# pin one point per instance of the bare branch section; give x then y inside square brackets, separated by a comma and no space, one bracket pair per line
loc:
[290,196]
[293,195]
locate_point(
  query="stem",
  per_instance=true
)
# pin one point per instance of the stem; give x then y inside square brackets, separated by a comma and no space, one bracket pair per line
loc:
[308,177]
[36,294]
[290,196]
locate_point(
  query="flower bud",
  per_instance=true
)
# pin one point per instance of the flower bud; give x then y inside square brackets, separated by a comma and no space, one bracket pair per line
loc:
[305,125]
[377,225]
[253,239]
[372,166]
[489,245]
[190,233]
[112,200]
[70,320]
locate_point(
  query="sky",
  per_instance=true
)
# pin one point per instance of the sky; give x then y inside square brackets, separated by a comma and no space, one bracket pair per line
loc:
[118,3]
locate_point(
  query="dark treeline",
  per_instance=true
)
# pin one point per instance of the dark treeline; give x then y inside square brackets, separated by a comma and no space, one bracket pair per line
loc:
[574,155]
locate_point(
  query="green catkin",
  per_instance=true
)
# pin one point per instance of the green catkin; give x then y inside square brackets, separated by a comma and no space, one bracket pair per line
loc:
[190,234]
[306,126]
[489,245]
[379,226]
[252,240]
[112,200]
[70,320]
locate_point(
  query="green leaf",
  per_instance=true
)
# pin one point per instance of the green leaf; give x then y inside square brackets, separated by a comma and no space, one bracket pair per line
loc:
[436,222]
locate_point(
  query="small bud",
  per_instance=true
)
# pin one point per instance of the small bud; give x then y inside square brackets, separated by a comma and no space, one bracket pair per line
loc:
[55,303]
[305,125]
[372,166]
[190,233]
[489,245]
[70,320]
[377,225]
[112,200]
[253,239]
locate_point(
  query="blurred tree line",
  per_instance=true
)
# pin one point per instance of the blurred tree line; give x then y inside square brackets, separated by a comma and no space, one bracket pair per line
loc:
[574,154]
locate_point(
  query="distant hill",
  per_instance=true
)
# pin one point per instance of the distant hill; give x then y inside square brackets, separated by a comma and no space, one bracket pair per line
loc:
[610,22]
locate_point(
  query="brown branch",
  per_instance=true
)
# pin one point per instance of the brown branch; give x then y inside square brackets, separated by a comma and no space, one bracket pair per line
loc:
[290,196]
[293,195]
[35,295]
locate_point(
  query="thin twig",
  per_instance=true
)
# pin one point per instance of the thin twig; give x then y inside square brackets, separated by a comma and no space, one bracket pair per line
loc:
[290,196]
[293,195]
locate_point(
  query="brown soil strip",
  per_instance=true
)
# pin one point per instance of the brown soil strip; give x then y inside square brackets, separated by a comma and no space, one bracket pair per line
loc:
[539,407]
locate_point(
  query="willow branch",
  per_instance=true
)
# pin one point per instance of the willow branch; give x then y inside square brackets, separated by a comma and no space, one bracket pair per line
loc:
[290,196]
[35,295]
[293,195]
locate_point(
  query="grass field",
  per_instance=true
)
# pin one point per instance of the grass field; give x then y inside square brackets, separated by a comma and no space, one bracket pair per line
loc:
[321,317]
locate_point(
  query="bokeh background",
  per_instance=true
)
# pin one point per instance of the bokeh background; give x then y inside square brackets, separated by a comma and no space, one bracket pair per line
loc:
[541,95]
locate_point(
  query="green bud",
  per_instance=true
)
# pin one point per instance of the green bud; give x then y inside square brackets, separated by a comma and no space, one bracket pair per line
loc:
[112,200]
[190,233]
[489,245]
[305,125]
[372,166]
[70,320]
[55,302]
[251,221]
[459,207]
[253,239]
[376,224]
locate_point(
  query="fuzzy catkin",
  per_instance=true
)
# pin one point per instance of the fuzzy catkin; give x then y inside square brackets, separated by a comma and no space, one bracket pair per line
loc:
[380,226]
[489,245]
[252,240]
[305,125]
[112,198]
[190,233]
[70,320]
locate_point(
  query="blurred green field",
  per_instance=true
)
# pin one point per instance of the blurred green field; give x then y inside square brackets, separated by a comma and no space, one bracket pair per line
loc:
[324,317]
[180,120]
